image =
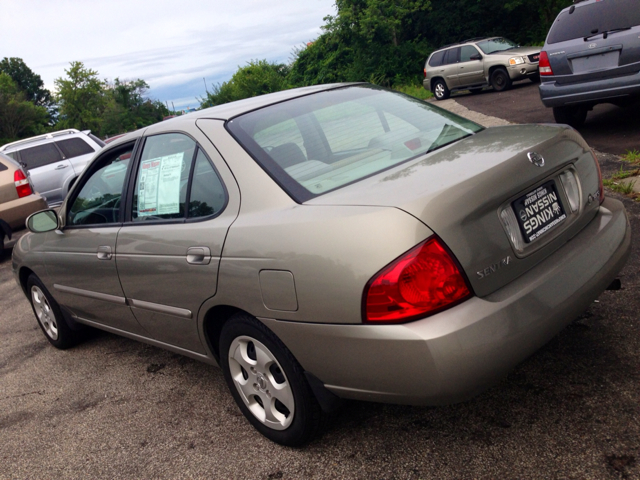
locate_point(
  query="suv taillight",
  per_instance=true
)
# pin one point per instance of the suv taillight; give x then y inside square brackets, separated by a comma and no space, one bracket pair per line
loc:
[425,72]
[423,281]
[544,65]
[22,184]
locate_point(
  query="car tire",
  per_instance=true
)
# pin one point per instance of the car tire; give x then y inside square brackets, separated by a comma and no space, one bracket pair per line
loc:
[440,90]
[571,115]
[267,382]
[500,80]
[49,315]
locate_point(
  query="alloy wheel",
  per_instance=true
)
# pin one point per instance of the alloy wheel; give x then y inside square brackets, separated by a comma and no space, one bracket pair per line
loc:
[44,313]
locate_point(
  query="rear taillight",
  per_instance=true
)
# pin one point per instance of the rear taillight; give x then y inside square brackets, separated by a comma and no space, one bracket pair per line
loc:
[425,72]
[424,280]
[544,65]
[600,185]
[22,184]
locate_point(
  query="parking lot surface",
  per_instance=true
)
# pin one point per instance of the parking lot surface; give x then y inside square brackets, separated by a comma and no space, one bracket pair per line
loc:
[608,128]
[112,408]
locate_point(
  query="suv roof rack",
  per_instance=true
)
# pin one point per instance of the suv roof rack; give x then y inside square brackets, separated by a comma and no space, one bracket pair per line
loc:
[45,136]
[475,39]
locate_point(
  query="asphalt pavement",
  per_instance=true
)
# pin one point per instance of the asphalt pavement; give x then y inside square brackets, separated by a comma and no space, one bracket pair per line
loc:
[608,128]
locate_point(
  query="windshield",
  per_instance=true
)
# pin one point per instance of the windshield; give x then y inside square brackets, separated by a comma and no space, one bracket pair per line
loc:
[317,143]
[594,18]
[496,45]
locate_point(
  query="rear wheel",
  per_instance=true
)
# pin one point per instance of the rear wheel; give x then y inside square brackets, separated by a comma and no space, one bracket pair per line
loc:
[440,90]
[267,382]
[571,115]
[49,316]
[500,80]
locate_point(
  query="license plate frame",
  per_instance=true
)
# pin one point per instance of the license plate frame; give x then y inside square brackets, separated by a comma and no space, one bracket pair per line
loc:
[539,211]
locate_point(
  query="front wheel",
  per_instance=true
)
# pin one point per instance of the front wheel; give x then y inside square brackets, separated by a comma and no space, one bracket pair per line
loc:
[49,316]
[500,80]
[267,382]
[574,116]
[440,90]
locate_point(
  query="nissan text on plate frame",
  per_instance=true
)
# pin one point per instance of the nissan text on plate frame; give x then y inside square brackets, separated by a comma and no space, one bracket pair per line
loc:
[330,242]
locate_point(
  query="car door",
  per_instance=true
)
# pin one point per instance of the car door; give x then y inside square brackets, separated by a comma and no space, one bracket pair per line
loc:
[77,151]
[183,199]
[48,169]
[80,258]
[470,70]
[450,67]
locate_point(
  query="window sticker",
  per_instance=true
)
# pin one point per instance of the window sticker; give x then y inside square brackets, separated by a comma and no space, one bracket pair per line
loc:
[159,185]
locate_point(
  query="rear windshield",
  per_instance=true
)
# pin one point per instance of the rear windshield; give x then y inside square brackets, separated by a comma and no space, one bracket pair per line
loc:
[593,18]
[318,143]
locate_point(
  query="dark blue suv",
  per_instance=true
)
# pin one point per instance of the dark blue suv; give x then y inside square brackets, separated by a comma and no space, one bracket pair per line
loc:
[591,56]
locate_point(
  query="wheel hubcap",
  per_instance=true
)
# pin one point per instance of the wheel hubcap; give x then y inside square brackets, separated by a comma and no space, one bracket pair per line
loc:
[44,313]
[439,90]
[261,382]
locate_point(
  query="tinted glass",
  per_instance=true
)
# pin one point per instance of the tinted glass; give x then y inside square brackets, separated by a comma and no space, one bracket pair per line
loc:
[452,56]
[163,178]
[594,18]
[74,147]
[98,201]
[13,155]
[3,167]
[349,134]
[467,52]
[208,196]
[35,157]
[437,59]
[496,45]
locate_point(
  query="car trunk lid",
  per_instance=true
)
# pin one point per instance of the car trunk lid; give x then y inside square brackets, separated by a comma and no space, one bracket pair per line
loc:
[461,191]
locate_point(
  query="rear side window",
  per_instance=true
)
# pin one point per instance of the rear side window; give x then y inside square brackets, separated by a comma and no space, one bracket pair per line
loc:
[39,156]
[594,18]
[452,56]
[437,59]
[74,147]
[13,155]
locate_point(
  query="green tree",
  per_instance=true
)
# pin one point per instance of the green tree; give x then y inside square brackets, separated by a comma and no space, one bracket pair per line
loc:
[27,81]
[81,98]
[19,117]
[256,78]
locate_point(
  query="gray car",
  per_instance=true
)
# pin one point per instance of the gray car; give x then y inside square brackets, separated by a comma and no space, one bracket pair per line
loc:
[479,62]
[54,160]
[330,242]
[591,56]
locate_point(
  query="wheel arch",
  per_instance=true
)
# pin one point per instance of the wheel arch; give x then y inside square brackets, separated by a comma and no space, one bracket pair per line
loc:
[433,82]
[213,321]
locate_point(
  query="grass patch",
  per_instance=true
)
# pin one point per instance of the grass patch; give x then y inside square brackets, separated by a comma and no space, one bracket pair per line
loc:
[632,156]
[625,188]
[414,90]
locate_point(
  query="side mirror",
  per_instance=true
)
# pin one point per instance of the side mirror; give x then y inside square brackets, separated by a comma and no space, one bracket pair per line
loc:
[43,221]
[477,56]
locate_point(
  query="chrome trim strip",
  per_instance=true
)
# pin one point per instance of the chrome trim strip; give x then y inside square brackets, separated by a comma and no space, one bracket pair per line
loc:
[89,294]
[156,307]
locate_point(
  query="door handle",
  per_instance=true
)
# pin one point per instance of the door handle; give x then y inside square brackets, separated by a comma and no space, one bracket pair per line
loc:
[199,255]
[61,166]
[104,252]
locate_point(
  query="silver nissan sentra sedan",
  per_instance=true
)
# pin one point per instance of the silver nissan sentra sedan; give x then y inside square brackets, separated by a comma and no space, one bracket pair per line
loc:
[330,242]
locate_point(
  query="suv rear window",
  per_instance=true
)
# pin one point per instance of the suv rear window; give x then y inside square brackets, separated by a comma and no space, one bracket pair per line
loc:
[74,147]
[594,18]
[318,143]
[35,157]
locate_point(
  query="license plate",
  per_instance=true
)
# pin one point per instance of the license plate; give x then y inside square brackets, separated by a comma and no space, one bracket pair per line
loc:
[539,211]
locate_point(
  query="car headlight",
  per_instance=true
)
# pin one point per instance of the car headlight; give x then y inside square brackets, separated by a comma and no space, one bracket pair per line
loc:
[516,60]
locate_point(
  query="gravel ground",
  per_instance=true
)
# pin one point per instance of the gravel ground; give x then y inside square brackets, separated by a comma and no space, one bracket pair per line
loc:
[112,408]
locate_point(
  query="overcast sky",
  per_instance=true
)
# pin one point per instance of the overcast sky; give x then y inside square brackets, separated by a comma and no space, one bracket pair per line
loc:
[172,45]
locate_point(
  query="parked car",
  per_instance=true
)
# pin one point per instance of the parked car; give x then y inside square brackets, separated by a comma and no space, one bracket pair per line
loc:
[329,242]
[478,62]
[17,201]
[54,160]
[591,56]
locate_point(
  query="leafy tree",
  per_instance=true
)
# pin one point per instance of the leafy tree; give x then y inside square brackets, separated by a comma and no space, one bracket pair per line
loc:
[81,98]
[256,78]
[19,117]
[27,81]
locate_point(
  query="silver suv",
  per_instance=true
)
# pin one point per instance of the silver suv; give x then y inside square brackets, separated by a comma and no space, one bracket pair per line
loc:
[591,56]
[54,160]
[479,62]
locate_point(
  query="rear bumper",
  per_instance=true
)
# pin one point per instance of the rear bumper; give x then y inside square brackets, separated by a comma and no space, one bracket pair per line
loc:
[554,94]
[454,355]
[15,212]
